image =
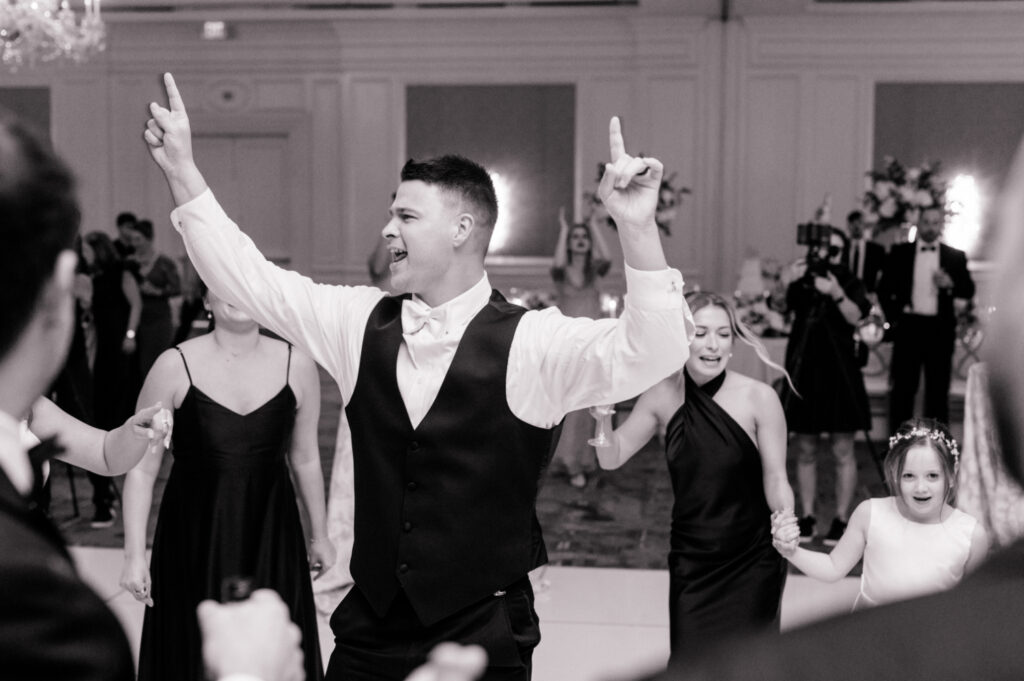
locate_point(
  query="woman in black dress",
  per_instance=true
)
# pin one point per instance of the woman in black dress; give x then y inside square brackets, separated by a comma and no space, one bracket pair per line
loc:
[245,425]
[159,281]
[826,301]
[726,449]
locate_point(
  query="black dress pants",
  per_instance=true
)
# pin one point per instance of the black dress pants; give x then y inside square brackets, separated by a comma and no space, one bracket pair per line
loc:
[368,647]
[921,341]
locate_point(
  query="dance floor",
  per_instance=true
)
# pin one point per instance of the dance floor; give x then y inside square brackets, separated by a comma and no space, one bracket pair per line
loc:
[598,624]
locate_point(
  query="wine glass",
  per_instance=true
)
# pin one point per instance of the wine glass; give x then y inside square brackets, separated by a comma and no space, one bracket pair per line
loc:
[601,412]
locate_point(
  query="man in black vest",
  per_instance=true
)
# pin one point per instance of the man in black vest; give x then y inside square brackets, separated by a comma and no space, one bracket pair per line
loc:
[451,393]
[53,626]
[922,288]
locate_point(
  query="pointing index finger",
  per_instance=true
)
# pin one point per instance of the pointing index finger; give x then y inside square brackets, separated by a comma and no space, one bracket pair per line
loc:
[616,146]
[174,101]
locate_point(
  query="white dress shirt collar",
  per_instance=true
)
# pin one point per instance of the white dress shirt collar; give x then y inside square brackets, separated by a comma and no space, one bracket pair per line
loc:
[13,456]
[461,309]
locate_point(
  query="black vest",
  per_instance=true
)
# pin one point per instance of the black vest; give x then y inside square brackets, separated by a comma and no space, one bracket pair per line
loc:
[444,511]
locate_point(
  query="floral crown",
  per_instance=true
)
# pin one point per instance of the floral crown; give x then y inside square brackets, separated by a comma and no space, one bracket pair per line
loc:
[936,435]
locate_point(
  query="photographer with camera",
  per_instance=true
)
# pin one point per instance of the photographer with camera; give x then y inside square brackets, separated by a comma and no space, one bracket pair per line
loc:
[826,301]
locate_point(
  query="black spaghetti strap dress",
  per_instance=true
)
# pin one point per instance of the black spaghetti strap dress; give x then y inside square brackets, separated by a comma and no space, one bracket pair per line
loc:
[725,578]
[228,510]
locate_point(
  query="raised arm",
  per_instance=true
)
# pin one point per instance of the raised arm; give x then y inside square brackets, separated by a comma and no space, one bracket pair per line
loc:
[169,137]
[304,458]
[629,190]
[560,258]
[326,322]
[105,452]
[771,443]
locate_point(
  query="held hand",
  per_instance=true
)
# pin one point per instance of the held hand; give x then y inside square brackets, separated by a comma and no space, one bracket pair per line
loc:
[168,133]
[629,185]
[452,662]
[154,424]
[254,637]
[135,579]
[128,346]
[321,556]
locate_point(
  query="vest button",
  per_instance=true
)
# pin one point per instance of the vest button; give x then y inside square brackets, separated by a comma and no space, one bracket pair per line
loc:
[414,446]
[403,568]
[411,486]
[407,526]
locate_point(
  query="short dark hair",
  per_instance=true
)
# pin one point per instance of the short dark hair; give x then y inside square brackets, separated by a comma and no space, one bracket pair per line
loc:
[40,219]
[126,218]
[145,228]
[467,179]
[854,215]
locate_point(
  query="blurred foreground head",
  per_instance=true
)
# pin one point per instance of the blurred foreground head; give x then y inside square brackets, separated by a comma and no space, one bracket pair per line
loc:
[39,218]
[1003,349]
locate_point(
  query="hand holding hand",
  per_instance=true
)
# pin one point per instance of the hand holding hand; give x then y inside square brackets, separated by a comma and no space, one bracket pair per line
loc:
[322,556]
[128,346]
[154,424]
[785,532]
[452,662]
[255,636]
[629,185]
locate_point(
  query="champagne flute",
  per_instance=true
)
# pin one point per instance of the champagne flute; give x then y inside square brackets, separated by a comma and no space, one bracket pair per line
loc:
[602,413]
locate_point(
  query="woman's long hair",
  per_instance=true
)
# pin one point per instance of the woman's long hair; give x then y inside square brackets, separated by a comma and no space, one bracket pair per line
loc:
[700,299]
[590,272]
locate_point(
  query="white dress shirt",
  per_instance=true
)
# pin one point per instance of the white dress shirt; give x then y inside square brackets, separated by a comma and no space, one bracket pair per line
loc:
[557,364]
[857,249]
[924,298]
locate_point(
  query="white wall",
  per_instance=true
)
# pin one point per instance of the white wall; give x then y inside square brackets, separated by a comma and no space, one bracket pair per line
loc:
[759,116]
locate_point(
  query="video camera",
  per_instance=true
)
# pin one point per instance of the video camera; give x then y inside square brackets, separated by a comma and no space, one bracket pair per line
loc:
[814,235]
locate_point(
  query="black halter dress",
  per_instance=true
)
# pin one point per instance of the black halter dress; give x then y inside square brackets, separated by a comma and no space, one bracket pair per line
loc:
[725,577]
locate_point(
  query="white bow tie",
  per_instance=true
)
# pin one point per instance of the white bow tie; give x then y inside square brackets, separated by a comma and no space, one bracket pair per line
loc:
[416,314]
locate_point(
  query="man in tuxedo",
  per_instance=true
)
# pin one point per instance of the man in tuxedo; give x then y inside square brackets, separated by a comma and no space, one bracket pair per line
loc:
[865,256]
[53,626]
[923,286]
[452,393]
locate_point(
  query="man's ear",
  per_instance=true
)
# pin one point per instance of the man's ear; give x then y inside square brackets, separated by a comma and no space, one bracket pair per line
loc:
[57,294]
[465,222]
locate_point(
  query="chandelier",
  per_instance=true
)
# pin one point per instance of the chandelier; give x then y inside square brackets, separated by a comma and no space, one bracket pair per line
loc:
[33,31]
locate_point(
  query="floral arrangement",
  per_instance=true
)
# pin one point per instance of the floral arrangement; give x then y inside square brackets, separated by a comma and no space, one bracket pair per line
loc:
[758,288]
[896,195]
[669,198]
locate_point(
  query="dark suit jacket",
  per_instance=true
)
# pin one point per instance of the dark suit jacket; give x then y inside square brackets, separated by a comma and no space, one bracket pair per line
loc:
[52,626]
[896,285]
[874,260]
[970,632]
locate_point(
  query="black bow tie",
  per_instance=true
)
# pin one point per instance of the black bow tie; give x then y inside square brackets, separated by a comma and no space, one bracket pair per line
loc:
[927,248]
[37,456]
